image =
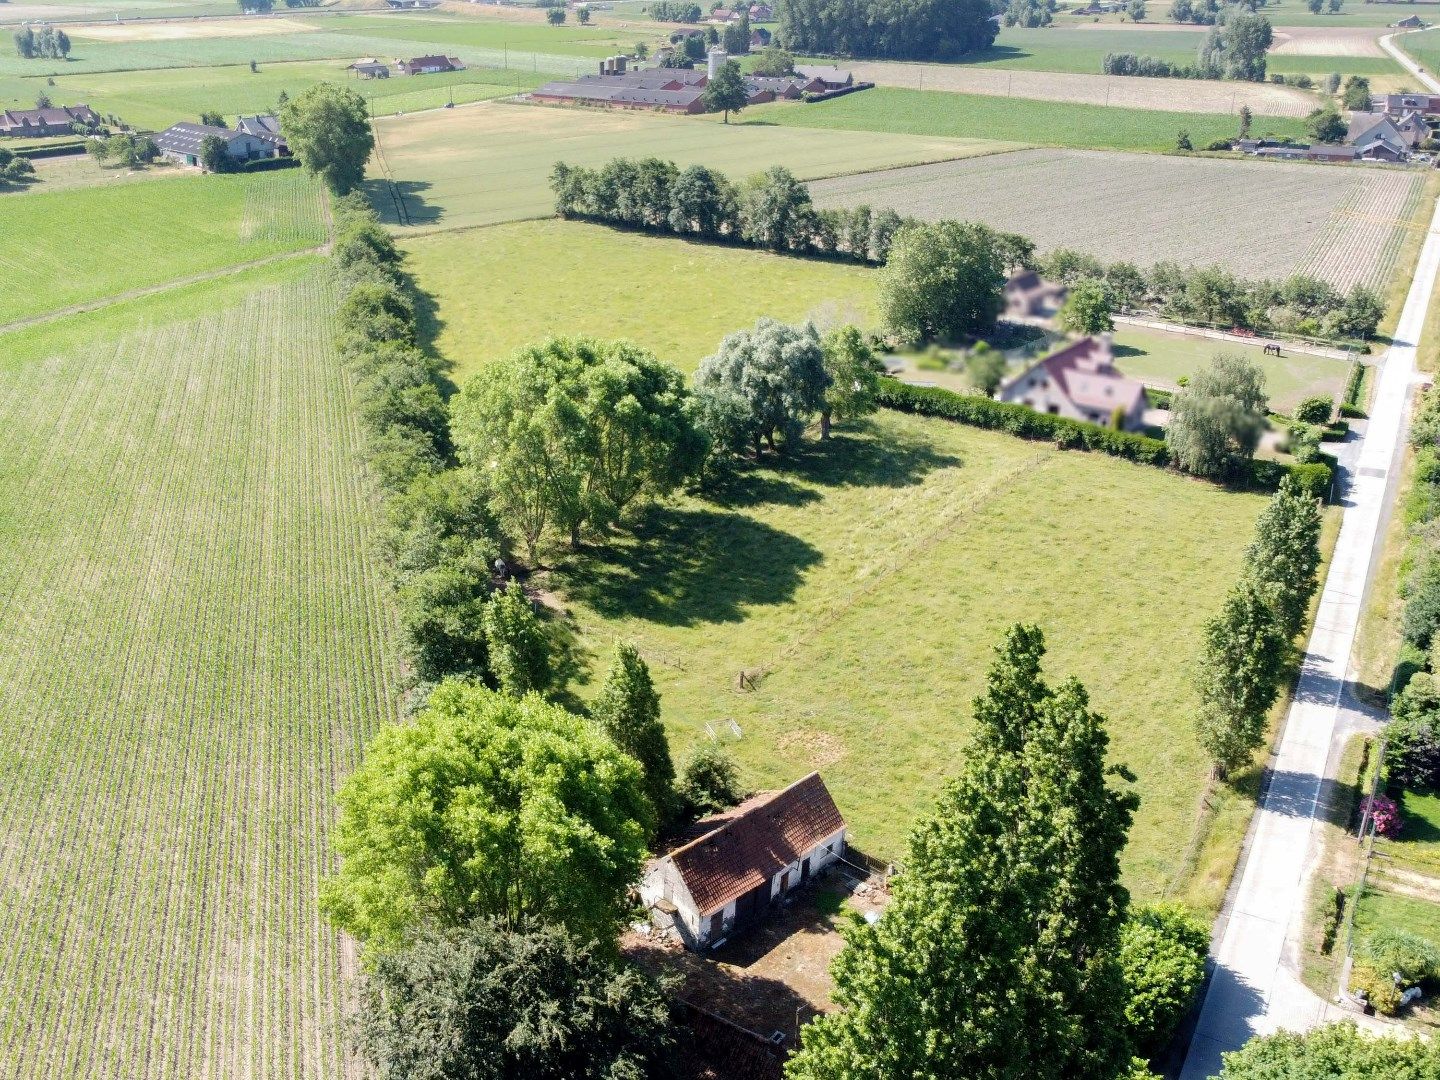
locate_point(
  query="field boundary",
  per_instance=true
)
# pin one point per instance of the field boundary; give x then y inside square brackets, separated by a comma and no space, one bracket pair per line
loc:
[150,290]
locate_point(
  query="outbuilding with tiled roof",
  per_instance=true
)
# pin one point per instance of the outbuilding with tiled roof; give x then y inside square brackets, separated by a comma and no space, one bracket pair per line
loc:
[737,864]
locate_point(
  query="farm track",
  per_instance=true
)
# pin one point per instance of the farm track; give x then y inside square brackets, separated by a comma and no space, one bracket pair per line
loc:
[197,646]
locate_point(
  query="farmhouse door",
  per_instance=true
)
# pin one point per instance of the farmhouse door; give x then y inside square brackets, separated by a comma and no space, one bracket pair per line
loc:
[804,871]
[749,907]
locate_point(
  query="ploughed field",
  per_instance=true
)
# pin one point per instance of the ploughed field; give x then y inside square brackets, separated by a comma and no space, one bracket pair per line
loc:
[196,647]
[1259,219]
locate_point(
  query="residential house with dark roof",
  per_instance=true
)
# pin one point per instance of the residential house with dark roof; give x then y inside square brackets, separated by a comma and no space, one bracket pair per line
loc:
[264,126]
[1382,140]
[1398,104]
[182,143]
[737,864]
[55,120]
[1030,298]
[429,65]
[834,78]
[1080,382]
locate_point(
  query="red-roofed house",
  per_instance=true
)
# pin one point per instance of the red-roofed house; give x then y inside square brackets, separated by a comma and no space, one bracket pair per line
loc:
[1080,382]
[744,860]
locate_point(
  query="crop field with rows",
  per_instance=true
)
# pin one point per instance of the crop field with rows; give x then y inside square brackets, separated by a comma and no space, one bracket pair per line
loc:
[93,242]
[196,647]
[1362,238]
[1260,219]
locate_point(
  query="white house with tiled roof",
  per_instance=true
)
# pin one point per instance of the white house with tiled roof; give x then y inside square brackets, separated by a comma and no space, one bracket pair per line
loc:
[1080,382]
[738,863]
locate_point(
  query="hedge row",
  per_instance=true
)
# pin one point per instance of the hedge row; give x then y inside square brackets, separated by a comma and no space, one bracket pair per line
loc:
[1025,423]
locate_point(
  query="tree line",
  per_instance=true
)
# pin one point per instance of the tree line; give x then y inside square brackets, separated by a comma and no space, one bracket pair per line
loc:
[48,43]
[1234,48]
[1301,304]
[887,29]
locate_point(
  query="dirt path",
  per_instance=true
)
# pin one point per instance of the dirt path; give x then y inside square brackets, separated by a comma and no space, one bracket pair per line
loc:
[150,290]
[1174,95]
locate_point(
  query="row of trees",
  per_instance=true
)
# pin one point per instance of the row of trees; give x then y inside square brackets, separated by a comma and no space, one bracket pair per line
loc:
[48,43]
[1009,947]
[1234,48]
[124,149]
[887,29]
[15,170]
[1246,658]
[681,11]
[1300,304]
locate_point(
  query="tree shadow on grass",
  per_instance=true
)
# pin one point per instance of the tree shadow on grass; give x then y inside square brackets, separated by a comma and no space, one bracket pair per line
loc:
[685,566]
[866,457]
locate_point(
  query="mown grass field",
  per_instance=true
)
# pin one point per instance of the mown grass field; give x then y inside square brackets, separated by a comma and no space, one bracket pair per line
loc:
[92,242]
[870,579]
[197,645]
[1423,46]
[1344,224]
[481,322]
[491,163]
[1081,49]
[1020,120]
[1161,359]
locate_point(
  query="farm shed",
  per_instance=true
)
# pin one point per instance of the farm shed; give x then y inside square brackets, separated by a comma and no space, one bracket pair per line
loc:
[1080,382]
[737,864]
[833,78]
[51,121]
[370,69]
[606,92]
[182,143]
[430,65]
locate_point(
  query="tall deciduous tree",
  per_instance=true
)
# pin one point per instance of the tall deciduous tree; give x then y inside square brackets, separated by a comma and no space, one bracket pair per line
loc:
[726,91]
[892,29]
[628,708]
[775,209]
[1285,554]
[328,130]
[483,1001]
[1089,309]
[854,372]
[1216,421]
[518,650]
[1238,676]
[1338,1050]
[488,806]
[762,381]
[997,954]
[573,431]
[942,281]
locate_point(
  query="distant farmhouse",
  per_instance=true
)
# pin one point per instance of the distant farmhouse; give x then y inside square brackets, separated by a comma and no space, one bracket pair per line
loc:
[370,68]
[264,126]
[1393,132]
[59,120]
[678,90]
[1029,298]
[182,142]
[735,866]
[758,13]
[1080,382]
[1410,22]
[1397,104]
[396,5]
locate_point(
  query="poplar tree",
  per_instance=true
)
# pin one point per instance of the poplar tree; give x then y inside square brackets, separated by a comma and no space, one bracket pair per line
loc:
[518,652]
[997,956]
[628,708]
[1285,554]
[1239,676]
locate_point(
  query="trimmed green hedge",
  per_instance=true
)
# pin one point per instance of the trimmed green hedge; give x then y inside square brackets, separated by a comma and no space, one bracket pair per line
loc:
[1025,423]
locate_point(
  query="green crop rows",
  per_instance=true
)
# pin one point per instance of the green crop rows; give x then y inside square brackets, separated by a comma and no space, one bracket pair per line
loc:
[195,651]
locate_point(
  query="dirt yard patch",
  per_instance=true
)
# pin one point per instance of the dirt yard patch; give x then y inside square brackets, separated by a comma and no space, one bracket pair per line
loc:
[189,29]
[1328,41]
[1177,95]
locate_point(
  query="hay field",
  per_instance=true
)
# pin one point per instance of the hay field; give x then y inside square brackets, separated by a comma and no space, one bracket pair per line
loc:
[491,163]
[1171,95]
[1261,219]
[189,29]
[197,645]
[605,282]
[152,233]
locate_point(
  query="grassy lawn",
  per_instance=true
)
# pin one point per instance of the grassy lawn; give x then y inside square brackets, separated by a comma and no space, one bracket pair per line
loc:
[153,233]
[869,582]
[1072,48]
[491,163]
[976,116]
[82,171]
[1158,358]
[487,311]
[1424,47]
[197,645]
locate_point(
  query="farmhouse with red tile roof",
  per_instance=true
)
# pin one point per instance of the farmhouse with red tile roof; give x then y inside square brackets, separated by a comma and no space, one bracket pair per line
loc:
[742,861]
[1080,382]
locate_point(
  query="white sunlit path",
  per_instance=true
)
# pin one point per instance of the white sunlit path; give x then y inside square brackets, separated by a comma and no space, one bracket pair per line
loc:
[1256,988]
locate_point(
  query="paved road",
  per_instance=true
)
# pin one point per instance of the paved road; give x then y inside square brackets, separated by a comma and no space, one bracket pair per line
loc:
[1256,989]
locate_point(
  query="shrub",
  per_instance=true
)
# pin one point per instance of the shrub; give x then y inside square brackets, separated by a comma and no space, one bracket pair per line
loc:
[1412,744]
[1314,410]
[1385,813]
[1162,958]
[709,781]
[1389,952]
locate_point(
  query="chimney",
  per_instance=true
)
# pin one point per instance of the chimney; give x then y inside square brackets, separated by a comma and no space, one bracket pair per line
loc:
[1106,352]
[717,58]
